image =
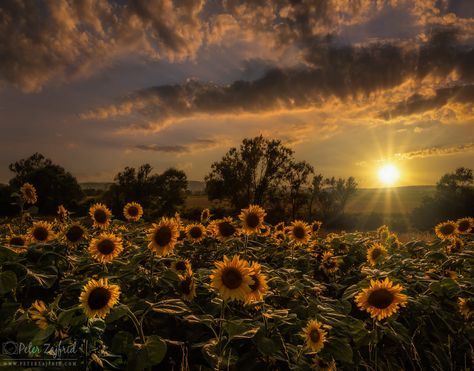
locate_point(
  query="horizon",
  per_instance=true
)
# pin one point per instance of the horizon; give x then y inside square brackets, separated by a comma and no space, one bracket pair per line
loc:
[349,87]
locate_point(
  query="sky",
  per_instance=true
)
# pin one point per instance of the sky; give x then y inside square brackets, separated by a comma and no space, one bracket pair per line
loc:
[348,85]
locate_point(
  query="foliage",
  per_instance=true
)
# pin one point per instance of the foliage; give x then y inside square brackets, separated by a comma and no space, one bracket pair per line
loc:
[153,325]
[162,193]
[54,185]
[453,199]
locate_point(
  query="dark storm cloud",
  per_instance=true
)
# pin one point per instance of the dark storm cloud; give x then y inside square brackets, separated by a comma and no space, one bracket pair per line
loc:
[196,145]
[332,71]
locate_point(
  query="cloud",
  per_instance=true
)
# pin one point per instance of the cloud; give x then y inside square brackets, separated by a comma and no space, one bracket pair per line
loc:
[192,147]
[435,151]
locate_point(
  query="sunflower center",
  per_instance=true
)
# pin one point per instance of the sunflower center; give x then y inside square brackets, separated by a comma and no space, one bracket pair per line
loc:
[376,254]
[314,335]
[180,266]
[255,286]
[162,236]
[17,241]
[299,232]
[226,229]
[40,234]
[232,278]
[106,246]
[329,263]
[132,211]
[205,215]
[100,216]
[463,225]
[98,298]
[74,233]
[195,232]
[315,228]
[252,220]
[447,229]
[380,298]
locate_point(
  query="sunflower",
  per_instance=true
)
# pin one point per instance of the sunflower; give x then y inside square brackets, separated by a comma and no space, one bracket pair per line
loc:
[100,215]
[466,307]
[465,225]
[381,299]
[232,278]
[105,248]
[205,215]
[163,236]
[280,227]
[74,234]
[315,227]
[39,313]
[187,287]
[63,213]
[259,286]
[329,263]
[195,232]
[314,336]
[252,219]
[455,245]
[182,267]
[376,253]
[320,364]
[17,241]
[223,229]
[299,232]
[393,241]
[279,236]
[133,211]
[98,297]
[264,231]
[41,232]
[28,193]
[383,232]
[446,230]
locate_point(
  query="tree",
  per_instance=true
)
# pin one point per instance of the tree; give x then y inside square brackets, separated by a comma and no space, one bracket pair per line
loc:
[54,185]
[159,194]
[453,198]
[250,174]
[329,196]
[297,180]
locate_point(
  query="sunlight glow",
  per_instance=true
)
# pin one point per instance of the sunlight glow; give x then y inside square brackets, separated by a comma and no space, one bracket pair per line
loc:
[388,174]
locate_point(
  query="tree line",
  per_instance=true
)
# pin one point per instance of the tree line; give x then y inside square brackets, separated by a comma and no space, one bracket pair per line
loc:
[260,171]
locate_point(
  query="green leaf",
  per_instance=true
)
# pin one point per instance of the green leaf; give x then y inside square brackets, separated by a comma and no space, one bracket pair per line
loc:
[265,345]
[116,313]
[122,342]
[8,282]
[156,348]
[340,349]
[240,330]
[43,335]
[64,319]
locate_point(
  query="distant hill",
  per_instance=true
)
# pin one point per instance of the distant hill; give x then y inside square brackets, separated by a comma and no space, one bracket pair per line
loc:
[196,186]
[99,186]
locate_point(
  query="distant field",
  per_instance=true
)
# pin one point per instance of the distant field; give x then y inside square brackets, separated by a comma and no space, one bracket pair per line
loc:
[400,200]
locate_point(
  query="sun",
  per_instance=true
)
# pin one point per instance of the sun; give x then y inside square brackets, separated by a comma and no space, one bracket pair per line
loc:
[388,174]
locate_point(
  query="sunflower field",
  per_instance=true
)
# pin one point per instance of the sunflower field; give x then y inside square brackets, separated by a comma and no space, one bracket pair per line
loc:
[231,293]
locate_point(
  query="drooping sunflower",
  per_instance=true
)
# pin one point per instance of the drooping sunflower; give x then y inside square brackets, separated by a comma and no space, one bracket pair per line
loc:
[465,225]
[63,214]
[381,299]
[329,263]
[223,229]
[383,232]
[446,230]
[259,286]
[28,193]
[315,227]
[106,247]
[182,267]
[299,232]
[133,211]
[39,313]
[163,236]
[100,215]
[205,215]
[41,232]
[455,245]
[466,307]
[252,219]
[314,336]
[376,253]
[232,278]
[320,364]
[187,287]
[17,241]
[74,234]
[98,297]
[195,233]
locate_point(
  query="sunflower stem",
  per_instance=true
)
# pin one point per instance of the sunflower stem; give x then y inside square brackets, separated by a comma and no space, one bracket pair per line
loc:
[136,323]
